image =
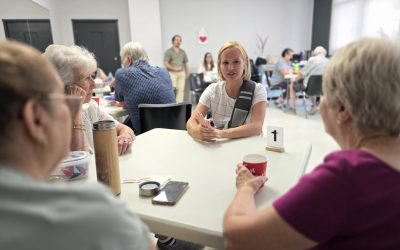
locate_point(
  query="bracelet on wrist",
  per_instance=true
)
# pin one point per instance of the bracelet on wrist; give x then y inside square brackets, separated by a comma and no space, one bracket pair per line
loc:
[79,126]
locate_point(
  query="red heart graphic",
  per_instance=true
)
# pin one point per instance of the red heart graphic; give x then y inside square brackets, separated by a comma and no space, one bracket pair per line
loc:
[202,38]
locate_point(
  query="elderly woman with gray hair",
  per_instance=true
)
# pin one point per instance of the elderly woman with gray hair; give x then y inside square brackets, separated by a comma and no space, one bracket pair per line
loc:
[315,66]
[35,131]
[76,66]
[351,200]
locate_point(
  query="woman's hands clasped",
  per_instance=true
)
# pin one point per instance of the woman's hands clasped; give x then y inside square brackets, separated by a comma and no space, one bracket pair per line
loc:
[204,131]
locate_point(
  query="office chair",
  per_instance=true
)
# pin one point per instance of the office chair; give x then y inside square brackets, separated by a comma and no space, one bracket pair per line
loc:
[196,86]
[172,115]
[314,88]
[273,92]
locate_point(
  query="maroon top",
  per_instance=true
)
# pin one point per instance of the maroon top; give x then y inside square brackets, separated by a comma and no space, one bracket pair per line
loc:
[351,201]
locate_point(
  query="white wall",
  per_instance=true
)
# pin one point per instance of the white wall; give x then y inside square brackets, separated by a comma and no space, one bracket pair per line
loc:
[20,9]
[61,13]
[288,23]
[145,25]
[354,19]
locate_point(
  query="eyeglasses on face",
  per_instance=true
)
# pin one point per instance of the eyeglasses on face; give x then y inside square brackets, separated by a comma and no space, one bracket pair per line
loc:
[73,102]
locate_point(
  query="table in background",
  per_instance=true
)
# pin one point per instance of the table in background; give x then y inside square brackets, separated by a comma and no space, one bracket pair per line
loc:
[210,170]
[119,113]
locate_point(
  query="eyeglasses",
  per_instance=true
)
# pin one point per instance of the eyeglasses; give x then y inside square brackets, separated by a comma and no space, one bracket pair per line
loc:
[73,102]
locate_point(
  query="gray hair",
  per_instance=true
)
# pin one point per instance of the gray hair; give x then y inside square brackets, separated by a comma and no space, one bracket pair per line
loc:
[135,50]
[70,61]
[319,51]
[364,77]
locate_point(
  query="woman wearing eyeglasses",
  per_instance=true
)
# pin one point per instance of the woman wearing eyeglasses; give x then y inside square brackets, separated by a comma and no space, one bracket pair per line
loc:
[77,66]
[35,120]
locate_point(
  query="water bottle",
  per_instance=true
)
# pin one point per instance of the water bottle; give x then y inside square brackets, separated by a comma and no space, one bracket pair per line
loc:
[106,154]
[295,68]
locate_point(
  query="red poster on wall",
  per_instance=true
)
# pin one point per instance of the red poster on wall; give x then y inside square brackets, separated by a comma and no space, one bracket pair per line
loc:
[202,37]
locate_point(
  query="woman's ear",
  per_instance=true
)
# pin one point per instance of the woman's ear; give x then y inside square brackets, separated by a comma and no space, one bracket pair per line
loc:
[34,119]
[130,60]
[343,114]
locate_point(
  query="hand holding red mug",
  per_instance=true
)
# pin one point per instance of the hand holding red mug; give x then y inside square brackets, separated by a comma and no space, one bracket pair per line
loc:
[256,164]
[245,179]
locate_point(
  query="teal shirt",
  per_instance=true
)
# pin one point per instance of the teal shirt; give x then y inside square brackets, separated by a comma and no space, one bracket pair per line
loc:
[176,59]
[41,215]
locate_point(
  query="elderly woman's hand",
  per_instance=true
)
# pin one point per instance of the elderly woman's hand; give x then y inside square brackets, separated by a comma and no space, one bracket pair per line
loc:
[245,179]
[75,90]
[124,144]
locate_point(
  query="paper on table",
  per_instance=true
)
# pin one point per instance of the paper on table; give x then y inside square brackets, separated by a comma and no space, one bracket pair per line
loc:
[162,179]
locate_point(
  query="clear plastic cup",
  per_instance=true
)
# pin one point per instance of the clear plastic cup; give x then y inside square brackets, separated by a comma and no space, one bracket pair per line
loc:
[73,167]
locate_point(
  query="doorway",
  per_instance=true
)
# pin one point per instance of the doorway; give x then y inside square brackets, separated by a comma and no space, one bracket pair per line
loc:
[34,32]
[102,38]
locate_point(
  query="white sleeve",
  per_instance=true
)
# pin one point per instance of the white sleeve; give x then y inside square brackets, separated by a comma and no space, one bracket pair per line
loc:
[260,95]
[201,69]
[207,95]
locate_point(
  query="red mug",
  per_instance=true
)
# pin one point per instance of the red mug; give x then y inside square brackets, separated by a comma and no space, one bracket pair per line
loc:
[96,99]
[256,163]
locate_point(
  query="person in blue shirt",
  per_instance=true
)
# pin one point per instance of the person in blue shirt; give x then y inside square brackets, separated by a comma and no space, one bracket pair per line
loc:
[138,82]
[283,67]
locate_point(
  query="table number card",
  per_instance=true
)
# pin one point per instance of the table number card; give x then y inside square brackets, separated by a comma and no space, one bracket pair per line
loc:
[275,139]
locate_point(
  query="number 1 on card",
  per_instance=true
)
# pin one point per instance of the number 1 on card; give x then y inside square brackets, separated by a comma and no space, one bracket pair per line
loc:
[275,137]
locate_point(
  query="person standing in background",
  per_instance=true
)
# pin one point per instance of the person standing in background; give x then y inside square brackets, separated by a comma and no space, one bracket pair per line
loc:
[176,62]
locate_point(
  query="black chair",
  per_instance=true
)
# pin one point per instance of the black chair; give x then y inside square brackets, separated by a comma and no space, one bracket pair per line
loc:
[196,86]
[255,76]
[273,92]
[172,115]
[314,88]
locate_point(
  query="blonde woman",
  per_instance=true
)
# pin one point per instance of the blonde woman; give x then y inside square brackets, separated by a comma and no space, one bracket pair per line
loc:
[352,199]
[219,98]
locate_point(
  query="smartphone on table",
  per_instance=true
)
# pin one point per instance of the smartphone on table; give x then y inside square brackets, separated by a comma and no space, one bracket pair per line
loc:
[171,193]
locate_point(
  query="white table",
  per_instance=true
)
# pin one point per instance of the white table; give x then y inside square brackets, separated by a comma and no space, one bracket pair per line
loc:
[210,170]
